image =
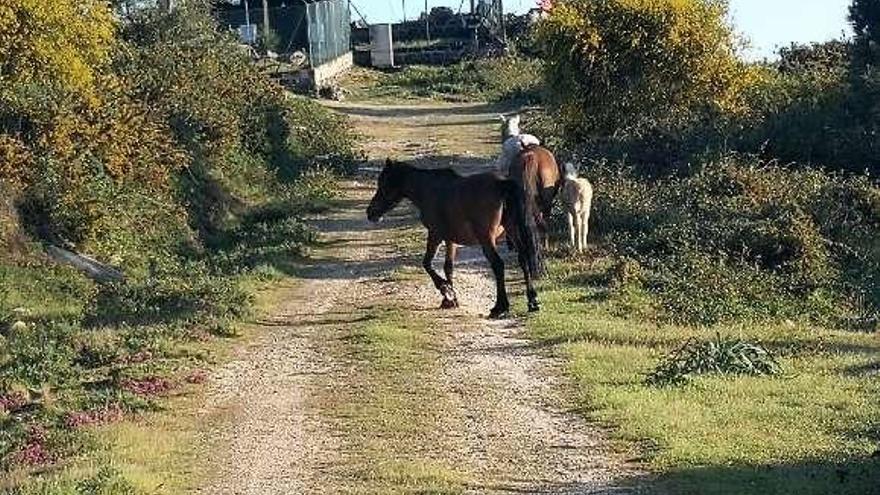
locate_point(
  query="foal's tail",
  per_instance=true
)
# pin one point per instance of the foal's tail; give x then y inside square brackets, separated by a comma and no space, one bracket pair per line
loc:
[525,237]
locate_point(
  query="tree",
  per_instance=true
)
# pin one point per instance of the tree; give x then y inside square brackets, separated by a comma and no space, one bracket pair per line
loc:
[619,64]
[864,15]
[865,18]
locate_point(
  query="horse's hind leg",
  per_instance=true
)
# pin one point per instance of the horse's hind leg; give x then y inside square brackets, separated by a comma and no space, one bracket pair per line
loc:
[502,304]
[427,260]
[450,299]
[531,293]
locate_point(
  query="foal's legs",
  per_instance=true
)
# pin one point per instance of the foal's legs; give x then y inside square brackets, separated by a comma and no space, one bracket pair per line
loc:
[430,252]
[546,198]
[450,299]
[572,229]
[584,228]
[544,229]
[502,304]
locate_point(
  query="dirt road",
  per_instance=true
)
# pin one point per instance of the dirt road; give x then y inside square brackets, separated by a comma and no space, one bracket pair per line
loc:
[358,384]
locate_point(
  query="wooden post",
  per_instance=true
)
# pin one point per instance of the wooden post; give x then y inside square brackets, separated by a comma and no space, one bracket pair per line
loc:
[266,27]
[503,25]
[247,14]
[427,23]
[475,43]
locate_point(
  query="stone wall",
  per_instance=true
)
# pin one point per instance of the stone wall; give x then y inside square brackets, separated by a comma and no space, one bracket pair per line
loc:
[326,73]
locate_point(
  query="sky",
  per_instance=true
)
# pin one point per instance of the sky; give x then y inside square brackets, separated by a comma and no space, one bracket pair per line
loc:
[767,24]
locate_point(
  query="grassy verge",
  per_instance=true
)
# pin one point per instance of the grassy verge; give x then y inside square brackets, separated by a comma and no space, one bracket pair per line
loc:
[504,79]
[811,430]
[92,372]
[151,451]
[389,408]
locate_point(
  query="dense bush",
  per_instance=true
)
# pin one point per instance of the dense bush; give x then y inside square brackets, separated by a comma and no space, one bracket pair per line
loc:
[660,82]
[53,46]
[737,241]
[624,66]
[815,106]
[708,170]
[152,153]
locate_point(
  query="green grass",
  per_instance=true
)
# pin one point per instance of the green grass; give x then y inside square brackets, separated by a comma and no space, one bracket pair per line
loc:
[153,455]
[504,79]
[61,291]
[810,430]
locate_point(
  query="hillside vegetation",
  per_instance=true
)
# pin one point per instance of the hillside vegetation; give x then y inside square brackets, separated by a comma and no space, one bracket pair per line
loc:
[151,144]
[731,191]
[726,320]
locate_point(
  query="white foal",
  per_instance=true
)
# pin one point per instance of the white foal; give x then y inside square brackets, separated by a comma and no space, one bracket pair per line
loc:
[577,198]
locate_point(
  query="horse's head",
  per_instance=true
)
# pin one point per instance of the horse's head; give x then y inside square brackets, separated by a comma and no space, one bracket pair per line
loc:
[389,190]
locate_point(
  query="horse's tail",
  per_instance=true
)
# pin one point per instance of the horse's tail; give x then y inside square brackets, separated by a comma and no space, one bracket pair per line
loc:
[526,235]
[529,187]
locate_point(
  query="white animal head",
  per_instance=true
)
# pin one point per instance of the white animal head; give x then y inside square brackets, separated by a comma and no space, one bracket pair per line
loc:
[571,171]
[510,127]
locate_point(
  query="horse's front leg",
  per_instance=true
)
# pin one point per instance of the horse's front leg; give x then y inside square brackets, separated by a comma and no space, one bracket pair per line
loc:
[450,299]
[427,264]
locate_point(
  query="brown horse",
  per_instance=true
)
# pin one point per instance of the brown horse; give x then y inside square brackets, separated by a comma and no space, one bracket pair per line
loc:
[457,210]
[536,171]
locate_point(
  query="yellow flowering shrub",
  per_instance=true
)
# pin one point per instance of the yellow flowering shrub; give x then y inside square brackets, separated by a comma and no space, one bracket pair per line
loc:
[130,141]
[619,64]
[54,42]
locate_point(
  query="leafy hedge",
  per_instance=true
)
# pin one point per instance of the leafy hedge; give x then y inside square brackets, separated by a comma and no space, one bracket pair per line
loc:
[738,241]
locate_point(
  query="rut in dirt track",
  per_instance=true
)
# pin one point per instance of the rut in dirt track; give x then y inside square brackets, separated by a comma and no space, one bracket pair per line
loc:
[472,408]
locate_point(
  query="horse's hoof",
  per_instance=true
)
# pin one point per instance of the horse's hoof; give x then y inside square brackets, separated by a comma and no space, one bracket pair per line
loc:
[497,314]
[449,304]
[534,307]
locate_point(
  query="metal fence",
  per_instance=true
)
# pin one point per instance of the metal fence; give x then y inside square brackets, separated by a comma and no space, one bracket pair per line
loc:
[329,30]
[320,27]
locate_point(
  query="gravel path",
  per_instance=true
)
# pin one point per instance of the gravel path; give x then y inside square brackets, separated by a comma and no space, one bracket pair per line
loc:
[273,411]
